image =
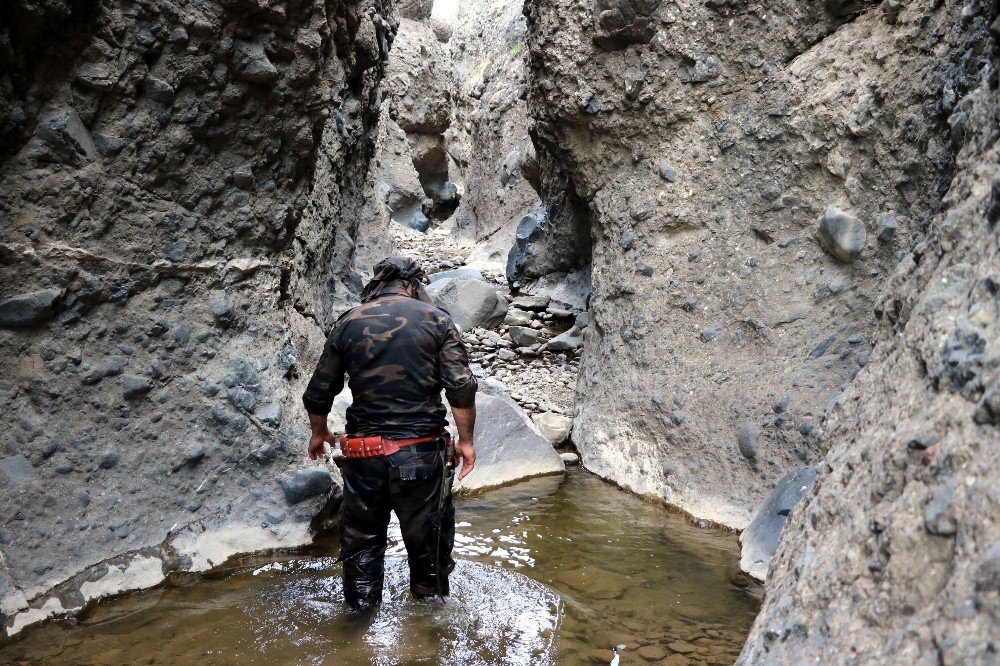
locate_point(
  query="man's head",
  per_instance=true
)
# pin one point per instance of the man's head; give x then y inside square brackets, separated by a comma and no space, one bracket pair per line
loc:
[393,271]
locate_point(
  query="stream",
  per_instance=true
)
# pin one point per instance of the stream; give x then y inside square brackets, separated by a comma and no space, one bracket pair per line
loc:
[554,570]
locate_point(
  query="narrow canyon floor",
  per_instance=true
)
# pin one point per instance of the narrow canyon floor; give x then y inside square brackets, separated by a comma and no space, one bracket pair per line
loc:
[551,570]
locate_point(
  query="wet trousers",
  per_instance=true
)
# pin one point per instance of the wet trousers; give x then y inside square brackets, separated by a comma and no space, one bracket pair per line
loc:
[409,483]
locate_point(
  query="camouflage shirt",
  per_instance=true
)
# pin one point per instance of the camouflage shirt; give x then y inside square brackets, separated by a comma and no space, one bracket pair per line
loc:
[399,353]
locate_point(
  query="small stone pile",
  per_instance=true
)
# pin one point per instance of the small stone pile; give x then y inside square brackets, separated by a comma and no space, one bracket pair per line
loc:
[532,353]
[435,250]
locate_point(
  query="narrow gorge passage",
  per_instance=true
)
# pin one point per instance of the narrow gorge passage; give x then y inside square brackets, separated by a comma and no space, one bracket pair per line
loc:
[728,273]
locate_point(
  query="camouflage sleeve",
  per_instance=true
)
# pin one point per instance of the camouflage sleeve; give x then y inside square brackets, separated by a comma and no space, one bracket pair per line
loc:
[453,363]
[327,381]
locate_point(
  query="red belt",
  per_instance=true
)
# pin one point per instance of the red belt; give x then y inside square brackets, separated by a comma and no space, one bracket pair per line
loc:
[376,445]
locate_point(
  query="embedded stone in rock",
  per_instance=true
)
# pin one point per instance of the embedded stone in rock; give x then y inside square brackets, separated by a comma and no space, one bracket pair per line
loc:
[159,90]
[470,273]
[667,173]
[571,339]
[507,447]
[471,303]
[887,227]
[748,439]
[523,336]
[618,23]
[710,333]
[635,79]
[28,309]
[582,320]
[135,387]
[705,68]
[301,484]
[554,427]
[221,308]
[760,538]
[251,64]
[66,139]
[841,235]
[17,469]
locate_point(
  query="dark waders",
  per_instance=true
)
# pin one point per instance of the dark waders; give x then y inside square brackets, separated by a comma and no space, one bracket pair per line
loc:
[415,483]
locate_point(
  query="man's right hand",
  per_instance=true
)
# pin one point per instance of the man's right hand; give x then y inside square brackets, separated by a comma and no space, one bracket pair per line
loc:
[467,450]
[316,443]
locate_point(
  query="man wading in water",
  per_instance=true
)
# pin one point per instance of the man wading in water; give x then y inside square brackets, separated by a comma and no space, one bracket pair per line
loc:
[400,351]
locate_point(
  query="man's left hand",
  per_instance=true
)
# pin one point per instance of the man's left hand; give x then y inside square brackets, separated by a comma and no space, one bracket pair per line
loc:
[316,442]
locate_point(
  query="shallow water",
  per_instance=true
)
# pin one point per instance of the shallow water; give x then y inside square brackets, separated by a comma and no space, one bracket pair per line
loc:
[551,571]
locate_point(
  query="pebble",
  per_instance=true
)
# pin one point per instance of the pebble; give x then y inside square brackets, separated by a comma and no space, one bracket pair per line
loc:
[841,235]
[747,437]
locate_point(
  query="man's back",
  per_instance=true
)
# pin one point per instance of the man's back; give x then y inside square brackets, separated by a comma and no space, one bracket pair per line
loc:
[400,353]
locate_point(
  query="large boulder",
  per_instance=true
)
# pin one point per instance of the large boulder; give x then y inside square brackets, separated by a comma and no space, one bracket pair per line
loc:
[508,448]
[471,303]
[760,538]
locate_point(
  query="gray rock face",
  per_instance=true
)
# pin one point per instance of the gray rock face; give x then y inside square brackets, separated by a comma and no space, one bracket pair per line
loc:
[760,538]
[28,309]
[179,208]
[841,235]
[508,448]
[471,303]
[756,148]
[488,140]
[893,550]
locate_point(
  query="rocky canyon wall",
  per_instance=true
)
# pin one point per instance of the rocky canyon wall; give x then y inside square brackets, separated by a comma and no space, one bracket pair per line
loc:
[894,554]
[752,174]
[179,209]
